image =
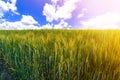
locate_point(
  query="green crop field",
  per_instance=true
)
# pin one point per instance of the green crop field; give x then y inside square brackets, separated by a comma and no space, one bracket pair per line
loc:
[60,55]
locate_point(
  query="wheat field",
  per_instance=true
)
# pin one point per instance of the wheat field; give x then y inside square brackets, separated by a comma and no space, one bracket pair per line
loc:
[60,55]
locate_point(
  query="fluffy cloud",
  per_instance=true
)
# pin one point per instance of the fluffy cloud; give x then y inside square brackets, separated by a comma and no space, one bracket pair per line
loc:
[104,21]
[7,6]
[12,6]
[55,12]
[47,26]
[49,12]
[61,25]
[65,11]
[27,22]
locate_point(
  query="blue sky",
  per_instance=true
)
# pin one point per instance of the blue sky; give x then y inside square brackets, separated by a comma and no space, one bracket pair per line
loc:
[59,14]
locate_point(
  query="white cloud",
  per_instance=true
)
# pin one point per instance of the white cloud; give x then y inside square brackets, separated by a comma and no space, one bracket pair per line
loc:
[65,11]
[7,6]
[3,8]
[49,12]
[104,21]
[26,19]
[53,12]
[12,6]
[47,26]
[27,22]
[62,25]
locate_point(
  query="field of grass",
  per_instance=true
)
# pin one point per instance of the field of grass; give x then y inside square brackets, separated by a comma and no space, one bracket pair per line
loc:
[60,55]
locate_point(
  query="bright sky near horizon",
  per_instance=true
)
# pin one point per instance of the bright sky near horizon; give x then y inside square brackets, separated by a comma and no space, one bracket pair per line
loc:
[59,14]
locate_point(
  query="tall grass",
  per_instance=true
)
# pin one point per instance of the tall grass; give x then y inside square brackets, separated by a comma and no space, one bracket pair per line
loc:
[60,55]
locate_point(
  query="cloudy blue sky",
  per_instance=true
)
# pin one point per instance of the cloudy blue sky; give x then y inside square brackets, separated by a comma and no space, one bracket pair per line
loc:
[59,14]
